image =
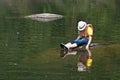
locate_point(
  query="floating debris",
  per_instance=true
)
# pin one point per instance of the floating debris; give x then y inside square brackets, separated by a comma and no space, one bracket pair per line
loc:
[12,64]
[6,44]
[44,17]
[18,33]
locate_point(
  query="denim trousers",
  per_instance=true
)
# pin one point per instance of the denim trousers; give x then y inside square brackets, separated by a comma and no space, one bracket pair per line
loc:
[80,41]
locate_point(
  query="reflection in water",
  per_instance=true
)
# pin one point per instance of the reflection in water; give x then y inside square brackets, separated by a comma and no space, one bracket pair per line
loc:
[84,61]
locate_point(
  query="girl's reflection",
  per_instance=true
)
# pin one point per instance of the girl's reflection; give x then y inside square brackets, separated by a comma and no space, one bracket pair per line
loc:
[84,58]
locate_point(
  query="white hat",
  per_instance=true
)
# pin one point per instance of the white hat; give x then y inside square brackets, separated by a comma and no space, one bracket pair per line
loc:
[81,25]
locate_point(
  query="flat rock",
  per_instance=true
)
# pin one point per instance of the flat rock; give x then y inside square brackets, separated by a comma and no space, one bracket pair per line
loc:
[44,17]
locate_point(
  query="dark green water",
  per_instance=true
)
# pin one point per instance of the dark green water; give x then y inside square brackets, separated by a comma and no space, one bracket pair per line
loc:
[29,49]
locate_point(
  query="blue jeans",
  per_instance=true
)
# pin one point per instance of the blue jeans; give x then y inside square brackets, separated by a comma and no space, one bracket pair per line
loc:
[80,41]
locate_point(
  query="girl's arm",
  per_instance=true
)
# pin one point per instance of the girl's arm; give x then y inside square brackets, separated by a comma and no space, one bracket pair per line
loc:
[88,44]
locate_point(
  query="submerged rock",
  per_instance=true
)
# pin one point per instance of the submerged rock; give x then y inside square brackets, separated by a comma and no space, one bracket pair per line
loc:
[44,17]
[98,44]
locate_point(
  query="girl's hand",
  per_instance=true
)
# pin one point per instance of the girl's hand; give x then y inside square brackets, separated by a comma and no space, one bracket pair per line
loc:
[87,47]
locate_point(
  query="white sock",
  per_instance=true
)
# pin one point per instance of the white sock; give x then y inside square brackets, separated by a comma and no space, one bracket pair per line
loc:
[69,45]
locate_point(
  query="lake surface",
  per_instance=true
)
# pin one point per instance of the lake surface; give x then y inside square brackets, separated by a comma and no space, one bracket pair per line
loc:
[29,49]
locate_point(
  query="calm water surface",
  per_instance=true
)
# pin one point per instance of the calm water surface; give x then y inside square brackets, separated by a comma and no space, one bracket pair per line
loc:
[29,49]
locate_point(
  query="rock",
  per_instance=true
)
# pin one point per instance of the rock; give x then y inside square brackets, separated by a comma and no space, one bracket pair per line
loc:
[44,17]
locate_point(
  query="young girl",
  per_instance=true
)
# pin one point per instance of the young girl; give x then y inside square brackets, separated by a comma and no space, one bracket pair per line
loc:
[85,35]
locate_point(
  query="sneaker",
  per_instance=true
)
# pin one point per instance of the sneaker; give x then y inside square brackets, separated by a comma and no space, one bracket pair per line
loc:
[63,47]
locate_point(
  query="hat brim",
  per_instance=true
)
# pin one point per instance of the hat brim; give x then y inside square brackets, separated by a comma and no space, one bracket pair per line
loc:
[82,28]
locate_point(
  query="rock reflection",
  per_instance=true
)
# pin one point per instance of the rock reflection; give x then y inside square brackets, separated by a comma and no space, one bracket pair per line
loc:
[84,58]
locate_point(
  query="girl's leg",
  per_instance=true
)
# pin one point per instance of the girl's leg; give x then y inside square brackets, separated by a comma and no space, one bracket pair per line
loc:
[70,45]
[76,42]
[80,41]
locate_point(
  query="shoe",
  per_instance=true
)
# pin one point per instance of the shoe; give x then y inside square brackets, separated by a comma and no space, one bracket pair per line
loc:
[63,47]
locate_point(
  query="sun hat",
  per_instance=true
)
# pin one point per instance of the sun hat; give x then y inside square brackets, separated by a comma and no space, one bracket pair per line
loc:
[81,25]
